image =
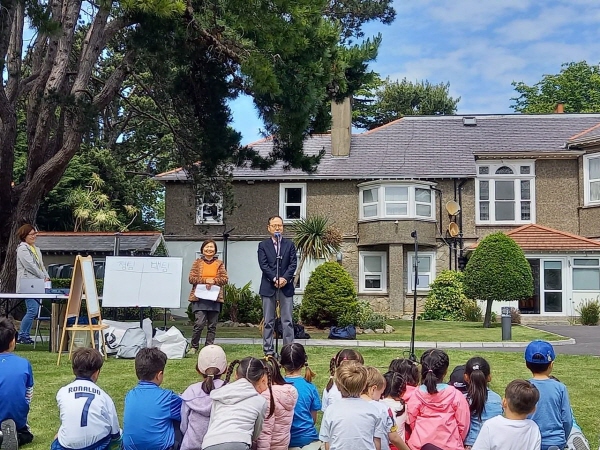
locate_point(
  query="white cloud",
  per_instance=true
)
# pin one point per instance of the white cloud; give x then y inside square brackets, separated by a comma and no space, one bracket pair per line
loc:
[549,23]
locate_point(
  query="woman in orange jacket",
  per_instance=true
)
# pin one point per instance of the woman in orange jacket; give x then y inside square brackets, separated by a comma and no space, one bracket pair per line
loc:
[209,271]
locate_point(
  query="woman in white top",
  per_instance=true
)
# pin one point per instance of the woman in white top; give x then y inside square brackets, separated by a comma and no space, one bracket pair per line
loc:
[29,265]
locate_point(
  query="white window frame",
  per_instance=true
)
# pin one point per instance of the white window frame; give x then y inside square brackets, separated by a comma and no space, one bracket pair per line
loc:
[586,180]
[411,212]
[200,207]
[283,204]
[575,266]
[361,269]
[411,272]
[307,270]
[516,177]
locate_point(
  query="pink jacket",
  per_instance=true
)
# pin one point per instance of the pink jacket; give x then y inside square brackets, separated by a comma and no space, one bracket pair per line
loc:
[440,419]
[275,434]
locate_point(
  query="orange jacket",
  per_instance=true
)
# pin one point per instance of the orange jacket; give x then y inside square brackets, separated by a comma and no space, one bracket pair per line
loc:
[196,277]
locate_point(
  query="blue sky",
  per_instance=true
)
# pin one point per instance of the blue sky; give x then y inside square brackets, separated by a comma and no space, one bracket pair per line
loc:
[479,46]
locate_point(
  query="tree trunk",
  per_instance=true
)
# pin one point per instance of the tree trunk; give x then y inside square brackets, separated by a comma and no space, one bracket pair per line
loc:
[488,314]
[299,269]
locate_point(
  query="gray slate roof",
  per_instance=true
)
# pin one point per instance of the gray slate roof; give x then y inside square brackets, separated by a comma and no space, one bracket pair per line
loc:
[427,146]
[102,243]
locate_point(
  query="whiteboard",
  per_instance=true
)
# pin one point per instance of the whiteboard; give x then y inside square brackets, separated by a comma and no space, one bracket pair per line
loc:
[142,281]
[89,281]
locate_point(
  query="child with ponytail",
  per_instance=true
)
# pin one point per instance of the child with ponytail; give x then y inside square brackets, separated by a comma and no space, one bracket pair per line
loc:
[409,370]
[395,387]
[331,393]
[197,404]
[438,414]
[275,433]
[238,409]
[484,402]
[303,433]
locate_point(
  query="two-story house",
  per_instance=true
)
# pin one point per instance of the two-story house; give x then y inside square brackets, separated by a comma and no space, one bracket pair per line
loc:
[536,177]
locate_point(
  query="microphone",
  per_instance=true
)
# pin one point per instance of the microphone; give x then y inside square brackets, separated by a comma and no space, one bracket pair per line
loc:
[278,235]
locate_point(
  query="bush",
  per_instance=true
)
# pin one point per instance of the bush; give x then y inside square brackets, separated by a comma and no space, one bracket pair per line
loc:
[329,293]
[446,299]
[589,312]
[497,271]
[241,304]
[515,316]
[362,315]
[472,311]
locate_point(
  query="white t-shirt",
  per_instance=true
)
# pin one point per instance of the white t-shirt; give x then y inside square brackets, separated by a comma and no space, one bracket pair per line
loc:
[387,424]
[87,414]
[328,398]
[351,424]
[399,415]
[500,433]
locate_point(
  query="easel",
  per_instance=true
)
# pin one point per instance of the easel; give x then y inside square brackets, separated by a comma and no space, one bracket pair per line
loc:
[83,280]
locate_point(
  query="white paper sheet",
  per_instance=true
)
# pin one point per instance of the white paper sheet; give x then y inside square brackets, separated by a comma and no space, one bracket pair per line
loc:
[205,294]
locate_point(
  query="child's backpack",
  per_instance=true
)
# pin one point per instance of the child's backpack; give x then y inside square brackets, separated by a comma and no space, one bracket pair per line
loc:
[131,343]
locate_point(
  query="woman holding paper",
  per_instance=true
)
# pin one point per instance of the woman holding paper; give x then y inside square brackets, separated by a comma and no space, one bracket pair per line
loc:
[207,277]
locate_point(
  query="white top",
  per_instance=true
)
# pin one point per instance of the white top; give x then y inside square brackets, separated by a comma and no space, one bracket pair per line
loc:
[87,414]
[500,433]
[328,398]
[399,415]
[351,424]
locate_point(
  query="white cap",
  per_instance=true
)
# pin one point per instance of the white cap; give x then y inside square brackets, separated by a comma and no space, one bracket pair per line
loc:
[212,356]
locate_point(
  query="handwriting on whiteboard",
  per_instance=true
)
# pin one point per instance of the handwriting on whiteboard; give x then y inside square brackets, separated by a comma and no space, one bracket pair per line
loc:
[141,266]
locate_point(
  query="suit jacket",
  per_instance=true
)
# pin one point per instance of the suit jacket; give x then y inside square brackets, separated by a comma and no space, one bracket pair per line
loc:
[267,260]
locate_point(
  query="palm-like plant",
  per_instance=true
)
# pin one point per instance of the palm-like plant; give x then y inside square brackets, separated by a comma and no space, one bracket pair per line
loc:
[315,239]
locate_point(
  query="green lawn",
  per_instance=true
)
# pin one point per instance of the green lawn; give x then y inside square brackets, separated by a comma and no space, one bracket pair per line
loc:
[427,331]
[581,374]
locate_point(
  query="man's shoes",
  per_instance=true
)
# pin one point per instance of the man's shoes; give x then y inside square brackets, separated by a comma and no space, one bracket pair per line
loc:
[9,435]
[25,340]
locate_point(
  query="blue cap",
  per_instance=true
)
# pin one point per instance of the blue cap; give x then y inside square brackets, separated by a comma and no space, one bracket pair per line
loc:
[539,352]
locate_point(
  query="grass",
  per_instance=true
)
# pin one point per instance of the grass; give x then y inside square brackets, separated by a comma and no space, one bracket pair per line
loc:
[581,374]
[426,331]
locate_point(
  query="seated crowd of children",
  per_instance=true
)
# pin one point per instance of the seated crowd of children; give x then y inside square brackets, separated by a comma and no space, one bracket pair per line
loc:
[249,404]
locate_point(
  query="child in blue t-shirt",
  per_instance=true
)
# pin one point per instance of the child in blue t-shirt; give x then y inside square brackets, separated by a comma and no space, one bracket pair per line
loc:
[553,411]
[16,389]
[303,432]
[152,414]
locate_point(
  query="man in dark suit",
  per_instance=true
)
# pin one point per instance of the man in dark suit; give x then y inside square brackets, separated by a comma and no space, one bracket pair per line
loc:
[273,288]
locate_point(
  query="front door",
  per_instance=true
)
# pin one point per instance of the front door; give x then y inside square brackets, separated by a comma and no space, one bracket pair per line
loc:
[552,286]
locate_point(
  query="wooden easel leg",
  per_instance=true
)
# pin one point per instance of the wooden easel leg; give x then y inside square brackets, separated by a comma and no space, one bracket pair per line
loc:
[62,341]
[102,344]
[71,343]
[92,334]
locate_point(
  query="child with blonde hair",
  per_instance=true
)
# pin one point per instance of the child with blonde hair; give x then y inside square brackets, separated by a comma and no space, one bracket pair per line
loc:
[303,433]
[238,410]
[351,422]
[373,393]
[331,393]
[197,404]
[275,434]
[438,414]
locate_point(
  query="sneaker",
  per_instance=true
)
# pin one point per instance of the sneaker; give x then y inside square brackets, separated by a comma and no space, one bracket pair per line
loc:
[25,340]
[9,435]
[577,441]
[192,351]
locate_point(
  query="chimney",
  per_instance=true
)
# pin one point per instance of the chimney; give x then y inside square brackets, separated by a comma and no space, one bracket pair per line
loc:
[341,127]
[560,108]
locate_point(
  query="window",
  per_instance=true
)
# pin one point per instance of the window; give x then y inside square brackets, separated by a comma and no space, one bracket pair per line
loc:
[591,177]
[209,209]
[505,193]
[586,274]
[292,201]
[396,201]
[426,271]
[373,272]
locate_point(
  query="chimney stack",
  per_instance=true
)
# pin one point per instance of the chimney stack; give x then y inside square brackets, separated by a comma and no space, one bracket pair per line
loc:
[341,127]
[560,108]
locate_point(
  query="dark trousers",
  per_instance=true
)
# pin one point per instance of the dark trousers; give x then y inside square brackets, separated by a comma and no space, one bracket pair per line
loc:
[202,319]
[24,435]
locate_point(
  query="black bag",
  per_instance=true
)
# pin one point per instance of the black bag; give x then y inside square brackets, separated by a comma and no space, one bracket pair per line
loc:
[347,332]
[299,332]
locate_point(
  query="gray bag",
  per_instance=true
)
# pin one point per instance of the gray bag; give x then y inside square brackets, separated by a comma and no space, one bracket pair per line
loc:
[131,343]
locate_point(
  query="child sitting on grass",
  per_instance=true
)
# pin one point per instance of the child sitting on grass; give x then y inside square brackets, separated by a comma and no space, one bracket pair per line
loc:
[88,417]
[331,393]
[514,430]
[395,386]
[408,370]
[16,389]
[351,422]
[152,414]
[197,404]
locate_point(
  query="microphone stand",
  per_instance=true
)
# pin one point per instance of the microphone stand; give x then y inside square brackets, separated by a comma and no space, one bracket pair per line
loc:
[277,294]
[412,355]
